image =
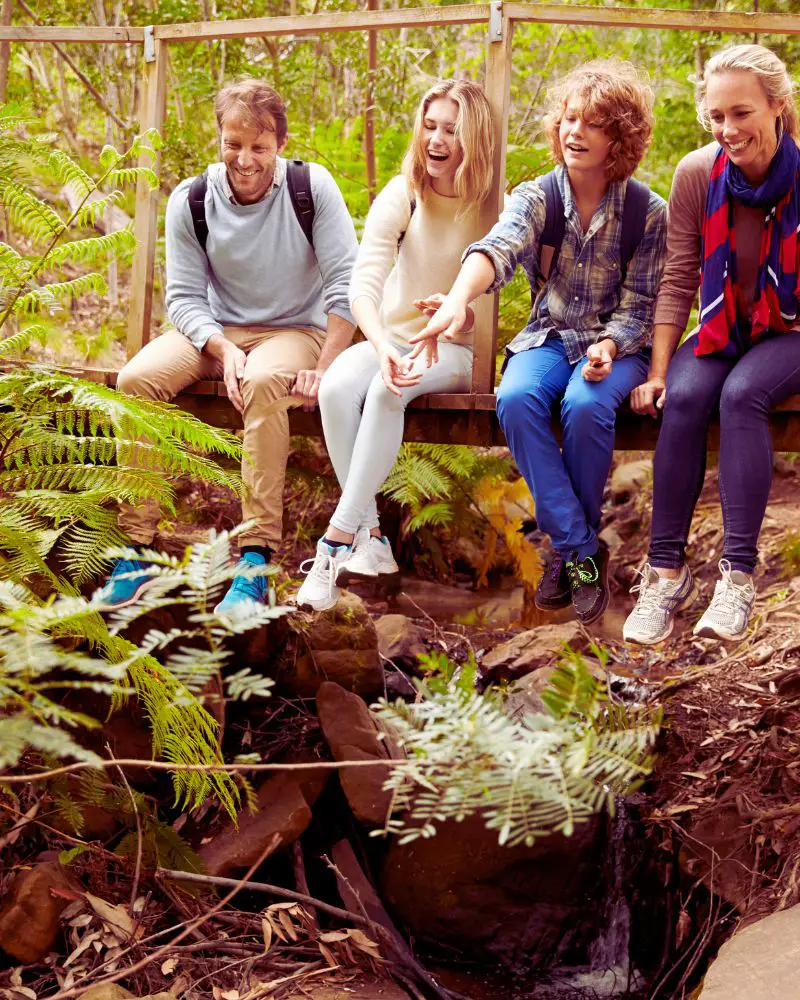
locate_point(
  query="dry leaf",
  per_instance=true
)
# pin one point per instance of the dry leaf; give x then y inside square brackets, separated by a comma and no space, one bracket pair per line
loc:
[114,914]
[87,941]
[266,931]
[287,924]
[169,966]
[15,979]
[327,955]
[13,834]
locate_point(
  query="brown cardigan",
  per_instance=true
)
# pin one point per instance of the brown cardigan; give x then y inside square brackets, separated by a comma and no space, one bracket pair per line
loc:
[687,204]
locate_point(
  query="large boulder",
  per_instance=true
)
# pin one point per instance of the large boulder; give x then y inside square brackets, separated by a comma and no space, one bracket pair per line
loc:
[462,888]
[283,813]
[759,962]
[399,639]
[353,733]
[30,915]
[629,478]
[340,645]
[530,650]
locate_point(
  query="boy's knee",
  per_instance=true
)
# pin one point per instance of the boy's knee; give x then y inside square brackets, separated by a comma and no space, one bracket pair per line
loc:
[586,409]
[518,402]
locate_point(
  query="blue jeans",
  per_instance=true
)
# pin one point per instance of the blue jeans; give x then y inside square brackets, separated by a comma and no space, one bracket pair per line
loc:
[744,390]
[567,483]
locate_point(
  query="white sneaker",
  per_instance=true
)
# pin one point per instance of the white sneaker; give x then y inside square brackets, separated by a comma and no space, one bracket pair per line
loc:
[371,557]
[319,591]
[728,614]
[660,599]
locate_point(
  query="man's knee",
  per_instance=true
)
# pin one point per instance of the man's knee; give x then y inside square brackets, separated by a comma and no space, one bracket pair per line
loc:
[269,383]
[136,380]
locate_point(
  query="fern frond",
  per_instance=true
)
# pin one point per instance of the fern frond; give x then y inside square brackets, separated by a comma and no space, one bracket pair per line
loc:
[95,249]
[91,211]
[60,293]
[33,216]
[69,172]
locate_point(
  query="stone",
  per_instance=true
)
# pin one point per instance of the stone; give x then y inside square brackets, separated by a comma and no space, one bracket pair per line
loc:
[284,810]
[341,645]
[461,888]
[719,850]
[399,639]
[525,693]
[629,478]
[759,962]
[353,733]
[527,651]
[30,914]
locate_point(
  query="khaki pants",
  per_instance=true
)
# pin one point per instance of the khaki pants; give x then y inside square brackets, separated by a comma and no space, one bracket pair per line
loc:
[170,363]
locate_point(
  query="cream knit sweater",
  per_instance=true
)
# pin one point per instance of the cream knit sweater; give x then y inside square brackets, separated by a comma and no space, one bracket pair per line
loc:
[428,261]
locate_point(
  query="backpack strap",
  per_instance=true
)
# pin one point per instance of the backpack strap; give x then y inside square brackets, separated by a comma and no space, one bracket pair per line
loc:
[197,208]
[298,177]
[553,233]
[634,217]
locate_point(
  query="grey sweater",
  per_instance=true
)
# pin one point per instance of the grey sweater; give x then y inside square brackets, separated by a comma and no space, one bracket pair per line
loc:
[259,269]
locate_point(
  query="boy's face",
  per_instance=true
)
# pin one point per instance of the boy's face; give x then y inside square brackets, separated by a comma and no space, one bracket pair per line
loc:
[584,145]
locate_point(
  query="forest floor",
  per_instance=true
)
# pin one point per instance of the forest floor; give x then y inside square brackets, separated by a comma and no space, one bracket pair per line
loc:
[720,809]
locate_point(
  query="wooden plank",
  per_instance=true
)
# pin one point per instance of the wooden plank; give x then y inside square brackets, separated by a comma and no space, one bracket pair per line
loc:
[316,24]
[498,91]
[69,33]
[654,18]
[5,49]
[145,227]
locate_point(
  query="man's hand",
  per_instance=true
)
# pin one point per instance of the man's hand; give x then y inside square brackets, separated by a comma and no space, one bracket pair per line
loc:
[650,396]
[396,371]
[233,361]
[306,385]
[599,360]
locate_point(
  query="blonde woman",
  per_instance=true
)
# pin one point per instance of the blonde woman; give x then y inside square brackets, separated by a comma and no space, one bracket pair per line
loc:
[734,213]
[414,236]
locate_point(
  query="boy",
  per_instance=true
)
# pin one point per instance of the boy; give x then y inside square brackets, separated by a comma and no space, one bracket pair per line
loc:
[584,345]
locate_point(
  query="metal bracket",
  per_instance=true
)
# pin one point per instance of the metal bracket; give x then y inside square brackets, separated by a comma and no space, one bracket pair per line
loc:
[149,43]
[496,21]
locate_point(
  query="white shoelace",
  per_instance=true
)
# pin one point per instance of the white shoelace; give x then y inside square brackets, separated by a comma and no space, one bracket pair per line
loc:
[647,589]
[730,596]
[320,567]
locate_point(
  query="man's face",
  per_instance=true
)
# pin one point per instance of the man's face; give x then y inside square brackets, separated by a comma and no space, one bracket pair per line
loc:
[249,157]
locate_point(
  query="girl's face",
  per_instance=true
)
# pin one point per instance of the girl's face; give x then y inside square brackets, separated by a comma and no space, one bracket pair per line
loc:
[584,145]
[443,152]
[743,120]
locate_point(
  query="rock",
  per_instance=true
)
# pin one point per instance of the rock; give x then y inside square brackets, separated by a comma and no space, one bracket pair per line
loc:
[759,962]
[399,639]
[525,694]
[353,733]
[342,646]
[611,538]
[719,851]
[461,888]
[527,651]
[284,809]
[30,913]
[628,479]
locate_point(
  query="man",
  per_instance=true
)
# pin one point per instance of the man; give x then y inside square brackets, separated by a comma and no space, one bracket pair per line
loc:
[259,306]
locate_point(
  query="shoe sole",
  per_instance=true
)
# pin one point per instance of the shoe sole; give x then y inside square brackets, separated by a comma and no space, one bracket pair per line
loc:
[346,576]
[709,632]
[305,606]
[553,605]
[685,604]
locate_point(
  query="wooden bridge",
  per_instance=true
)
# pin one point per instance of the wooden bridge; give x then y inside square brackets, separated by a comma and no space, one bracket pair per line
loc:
[463,418]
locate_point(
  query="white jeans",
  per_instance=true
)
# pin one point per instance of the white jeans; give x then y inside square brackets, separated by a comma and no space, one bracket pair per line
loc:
[363,421]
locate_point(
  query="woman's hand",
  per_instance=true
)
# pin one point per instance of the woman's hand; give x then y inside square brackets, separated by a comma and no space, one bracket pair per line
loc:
[599,360]
[650,396]
[396,371]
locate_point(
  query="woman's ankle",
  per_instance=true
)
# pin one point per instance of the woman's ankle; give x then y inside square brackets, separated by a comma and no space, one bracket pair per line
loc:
[668,572]
[339,537]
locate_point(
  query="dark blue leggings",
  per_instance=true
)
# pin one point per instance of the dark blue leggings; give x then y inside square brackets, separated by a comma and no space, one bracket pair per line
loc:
[745,390]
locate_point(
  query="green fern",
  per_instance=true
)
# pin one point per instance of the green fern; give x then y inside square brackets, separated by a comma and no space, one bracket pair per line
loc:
[527,778]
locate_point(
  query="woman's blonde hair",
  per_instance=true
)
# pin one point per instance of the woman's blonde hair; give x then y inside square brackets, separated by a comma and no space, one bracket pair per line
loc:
[610,93]
[771,72]
[475,133]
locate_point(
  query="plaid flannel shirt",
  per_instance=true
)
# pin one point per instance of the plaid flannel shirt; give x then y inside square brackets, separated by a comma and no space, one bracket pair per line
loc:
[583,300]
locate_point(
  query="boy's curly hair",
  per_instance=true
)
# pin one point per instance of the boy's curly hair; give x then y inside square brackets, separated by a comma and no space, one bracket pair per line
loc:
[611,94]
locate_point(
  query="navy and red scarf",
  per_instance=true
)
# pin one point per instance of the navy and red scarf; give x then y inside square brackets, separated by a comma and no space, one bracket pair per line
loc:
[776,303]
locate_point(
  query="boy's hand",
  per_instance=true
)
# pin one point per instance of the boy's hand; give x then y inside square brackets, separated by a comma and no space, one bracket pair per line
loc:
[430,305]
[448,320]
[599,360]
[650,396]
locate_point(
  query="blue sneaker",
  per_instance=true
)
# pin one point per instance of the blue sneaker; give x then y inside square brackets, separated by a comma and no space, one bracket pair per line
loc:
[244,590]
[126,584]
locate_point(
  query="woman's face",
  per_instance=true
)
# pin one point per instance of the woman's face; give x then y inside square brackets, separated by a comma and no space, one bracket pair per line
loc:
[443,153]
[743,120]
[584,144]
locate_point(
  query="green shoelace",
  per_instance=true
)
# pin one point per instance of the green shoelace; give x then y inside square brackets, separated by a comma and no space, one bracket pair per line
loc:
[578,574]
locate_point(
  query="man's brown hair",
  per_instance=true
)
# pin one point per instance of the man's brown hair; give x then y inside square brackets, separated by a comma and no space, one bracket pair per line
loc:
[258,104]
[612,95]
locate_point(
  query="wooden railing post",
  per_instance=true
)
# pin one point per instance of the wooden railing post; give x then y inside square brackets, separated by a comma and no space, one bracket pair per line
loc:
[153,101]
[498,90]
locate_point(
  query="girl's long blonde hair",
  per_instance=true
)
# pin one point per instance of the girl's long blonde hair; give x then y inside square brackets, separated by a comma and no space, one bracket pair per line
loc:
[770,70]
[475,133]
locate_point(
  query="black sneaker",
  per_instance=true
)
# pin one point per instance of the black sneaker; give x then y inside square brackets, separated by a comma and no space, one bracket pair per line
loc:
[553,590]
[589,582]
